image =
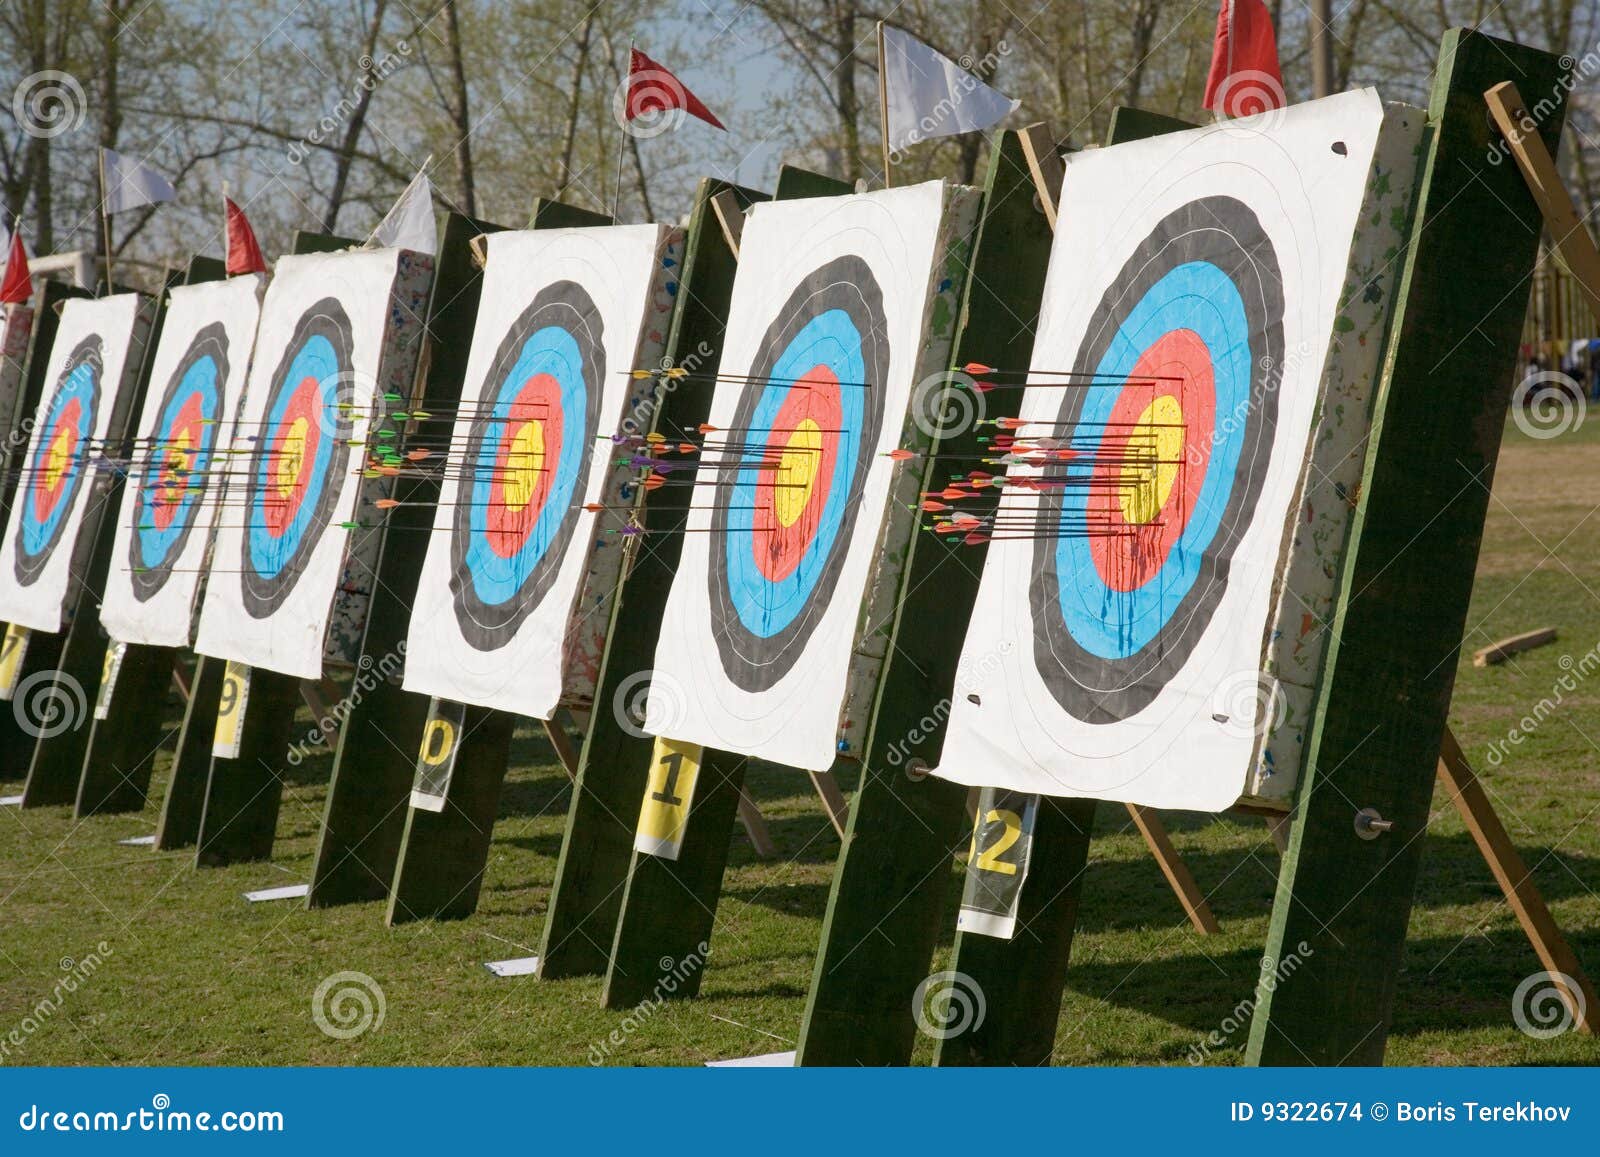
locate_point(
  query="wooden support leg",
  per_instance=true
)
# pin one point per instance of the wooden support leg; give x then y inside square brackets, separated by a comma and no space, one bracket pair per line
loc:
[243,795]
[1343,901]
[185,800]
[122,747]
[670,907]
[1174,869]
[1516,881]
[1020,980]
[555,730]
[755,826]
[443,854]
[833,800]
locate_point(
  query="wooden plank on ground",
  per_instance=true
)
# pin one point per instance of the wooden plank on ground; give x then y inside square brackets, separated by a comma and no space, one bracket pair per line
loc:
[1343,902]
[1501,651]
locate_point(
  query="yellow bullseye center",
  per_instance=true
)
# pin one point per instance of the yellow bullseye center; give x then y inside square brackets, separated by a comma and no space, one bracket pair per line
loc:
[524,463]
[57,459]
[1154,449]
[797,472]
[290,456]
[175,473]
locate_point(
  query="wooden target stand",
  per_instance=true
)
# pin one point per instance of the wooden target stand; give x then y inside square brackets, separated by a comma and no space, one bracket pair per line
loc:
[245,743]
[599,879]
[127,727]
[374,760]
[1348,875]
[431,863]
[23,652]
[74,655]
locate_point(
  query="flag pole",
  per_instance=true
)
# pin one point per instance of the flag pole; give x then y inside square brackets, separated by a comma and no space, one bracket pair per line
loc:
[622,139]
[883,105]
[105,221]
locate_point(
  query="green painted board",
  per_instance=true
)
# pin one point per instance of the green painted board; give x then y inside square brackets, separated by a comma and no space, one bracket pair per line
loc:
[668,907]
[120,754]
[185,798]
[1339,920]
[365,814]
[889,887]
[442,855]
[1022,979]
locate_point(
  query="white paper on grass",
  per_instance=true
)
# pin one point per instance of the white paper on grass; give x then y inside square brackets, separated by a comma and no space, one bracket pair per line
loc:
[167,617]
[796,721]
[38,606]
[1174,753]
[290,640]
[618,268]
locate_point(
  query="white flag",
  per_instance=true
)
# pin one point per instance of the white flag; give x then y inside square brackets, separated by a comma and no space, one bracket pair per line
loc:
[929,95]
[410,224]
[130,184]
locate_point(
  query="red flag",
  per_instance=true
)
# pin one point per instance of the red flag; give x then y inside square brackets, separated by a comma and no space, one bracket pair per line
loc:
[244,255]
[17,286]
[652,89]
[1244,76]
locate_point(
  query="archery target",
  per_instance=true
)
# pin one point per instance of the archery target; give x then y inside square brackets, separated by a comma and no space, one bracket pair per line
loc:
[566,314]
[93,360]
[825,334]
[180,462]
[780,536]
[326,331]
[1193,301]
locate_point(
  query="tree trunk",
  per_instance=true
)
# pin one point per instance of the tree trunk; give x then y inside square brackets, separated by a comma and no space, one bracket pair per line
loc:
[458,110]
[574,105]
[346,155]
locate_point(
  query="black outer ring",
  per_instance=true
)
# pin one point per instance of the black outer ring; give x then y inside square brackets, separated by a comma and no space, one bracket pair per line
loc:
[567,305]
[754,663]
[1226,233]
[262,595]
[148,578]
[29,567]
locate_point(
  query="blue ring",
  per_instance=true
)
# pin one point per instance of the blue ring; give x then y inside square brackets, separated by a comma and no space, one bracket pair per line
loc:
[316,359]
[80,384]
[200,378]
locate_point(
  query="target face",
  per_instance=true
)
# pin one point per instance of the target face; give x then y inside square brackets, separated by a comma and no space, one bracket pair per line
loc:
[1185,349]
[176,462]
[301,459]
[528,453]
[58,470]
[785,503]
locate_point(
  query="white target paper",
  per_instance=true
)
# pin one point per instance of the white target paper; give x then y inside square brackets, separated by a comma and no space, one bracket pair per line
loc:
[62,473]
[288,637]
[1154,694]
[563,318]
[715,684]
[198,376]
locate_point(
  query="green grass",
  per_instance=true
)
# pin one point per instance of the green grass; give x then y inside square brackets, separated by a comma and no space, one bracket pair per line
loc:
[196,976]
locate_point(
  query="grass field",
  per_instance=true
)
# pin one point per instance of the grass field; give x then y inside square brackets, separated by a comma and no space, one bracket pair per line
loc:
[192,975]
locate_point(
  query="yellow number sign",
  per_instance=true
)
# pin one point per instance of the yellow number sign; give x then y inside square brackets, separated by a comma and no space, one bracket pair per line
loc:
[674,768]
[230,710]
[12,652]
